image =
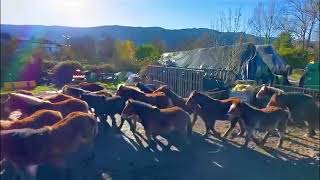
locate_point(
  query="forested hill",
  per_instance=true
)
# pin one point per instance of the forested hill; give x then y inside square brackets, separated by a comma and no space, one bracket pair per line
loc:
[173,39]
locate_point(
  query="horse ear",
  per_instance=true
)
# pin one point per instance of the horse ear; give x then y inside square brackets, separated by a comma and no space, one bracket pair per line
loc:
[155,108]
[232,107]
[129,101]
[6,98]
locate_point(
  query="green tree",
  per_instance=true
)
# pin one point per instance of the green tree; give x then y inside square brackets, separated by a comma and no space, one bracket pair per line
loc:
[283,41]
[296,57]
[147,52]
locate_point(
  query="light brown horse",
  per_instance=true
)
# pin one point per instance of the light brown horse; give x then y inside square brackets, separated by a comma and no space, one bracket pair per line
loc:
[36,120]
[158,99]
[210,110]
[29,104]
[266,119]
[27,148]
[159,121]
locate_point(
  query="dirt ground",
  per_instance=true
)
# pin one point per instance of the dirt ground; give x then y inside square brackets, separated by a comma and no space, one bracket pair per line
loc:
[120,155]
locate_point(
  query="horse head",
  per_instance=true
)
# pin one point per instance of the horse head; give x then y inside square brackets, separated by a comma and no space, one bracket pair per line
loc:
[262,92]
[190,101]
[30,100]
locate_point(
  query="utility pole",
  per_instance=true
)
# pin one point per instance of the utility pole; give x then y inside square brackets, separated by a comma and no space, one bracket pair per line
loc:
[67,40]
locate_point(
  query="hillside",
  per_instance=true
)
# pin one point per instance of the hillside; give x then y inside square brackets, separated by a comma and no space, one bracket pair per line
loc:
[140,35]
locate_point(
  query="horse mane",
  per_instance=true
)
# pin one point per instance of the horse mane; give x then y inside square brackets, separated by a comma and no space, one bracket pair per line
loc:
[274,89]
[28,99]
[131,88]
[170,92]
[142,104]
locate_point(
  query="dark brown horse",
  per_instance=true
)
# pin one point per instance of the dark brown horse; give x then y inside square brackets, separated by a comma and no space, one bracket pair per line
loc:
[267,119]
[159,121]
[29,104]
[158,99]
[144,87]
[176,99]
[93,87]
[73,91]
[210,110]
[76,91]
[36,120]
[105,106]
[58,98]
[303,107]
[26,92]
[26,148]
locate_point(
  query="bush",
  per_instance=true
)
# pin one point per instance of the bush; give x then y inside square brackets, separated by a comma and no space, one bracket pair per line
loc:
[48,65]
[103,68]
[63,71]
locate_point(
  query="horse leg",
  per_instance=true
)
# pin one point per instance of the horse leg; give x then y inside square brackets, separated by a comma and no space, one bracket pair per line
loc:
[264,139]
[207,130]
[281,136]
[114,121]
[149,139]
[248,137]
[231,127]
[121,123]
[215,133]
[194,119]
[242,127]
[311,129]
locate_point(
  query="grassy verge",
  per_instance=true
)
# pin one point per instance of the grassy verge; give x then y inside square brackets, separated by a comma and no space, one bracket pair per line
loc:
[36,90]
[112,86]
[42,89]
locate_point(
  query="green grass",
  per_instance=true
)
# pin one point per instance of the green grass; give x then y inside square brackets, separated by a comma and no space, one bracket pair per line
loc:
[111,86]
[36,90]
[41,89]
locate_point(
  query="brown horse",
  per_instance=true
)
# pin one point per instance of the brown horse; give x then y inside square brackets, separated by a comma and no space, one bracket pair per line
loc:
[210,110]
[73,91]
[21,91]
[303,107]
[102,92]
[159,121]
[176,99]
[158,99]
[267,119]
[26,148]
[58,98]
[93,87]
[36,120]
[76,91]
[29,104]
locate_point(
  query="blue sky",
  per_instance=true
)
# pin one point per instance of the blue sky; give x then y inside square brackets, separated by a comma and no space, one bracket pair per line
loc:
[171,14]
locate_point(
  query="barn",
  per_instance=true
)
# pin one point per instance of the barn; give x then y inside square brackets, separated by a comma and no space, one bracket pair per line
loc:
[255,62]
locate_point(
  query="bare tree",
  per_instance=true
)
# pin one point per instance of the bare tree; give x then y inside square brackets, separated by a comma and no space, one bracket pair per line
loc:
[264,20]
[300,17]
[313,8]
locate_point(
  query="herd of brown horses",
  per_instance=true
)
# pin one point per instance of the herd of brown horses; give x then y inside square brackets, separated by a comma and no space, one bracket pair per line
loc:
[49,129]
